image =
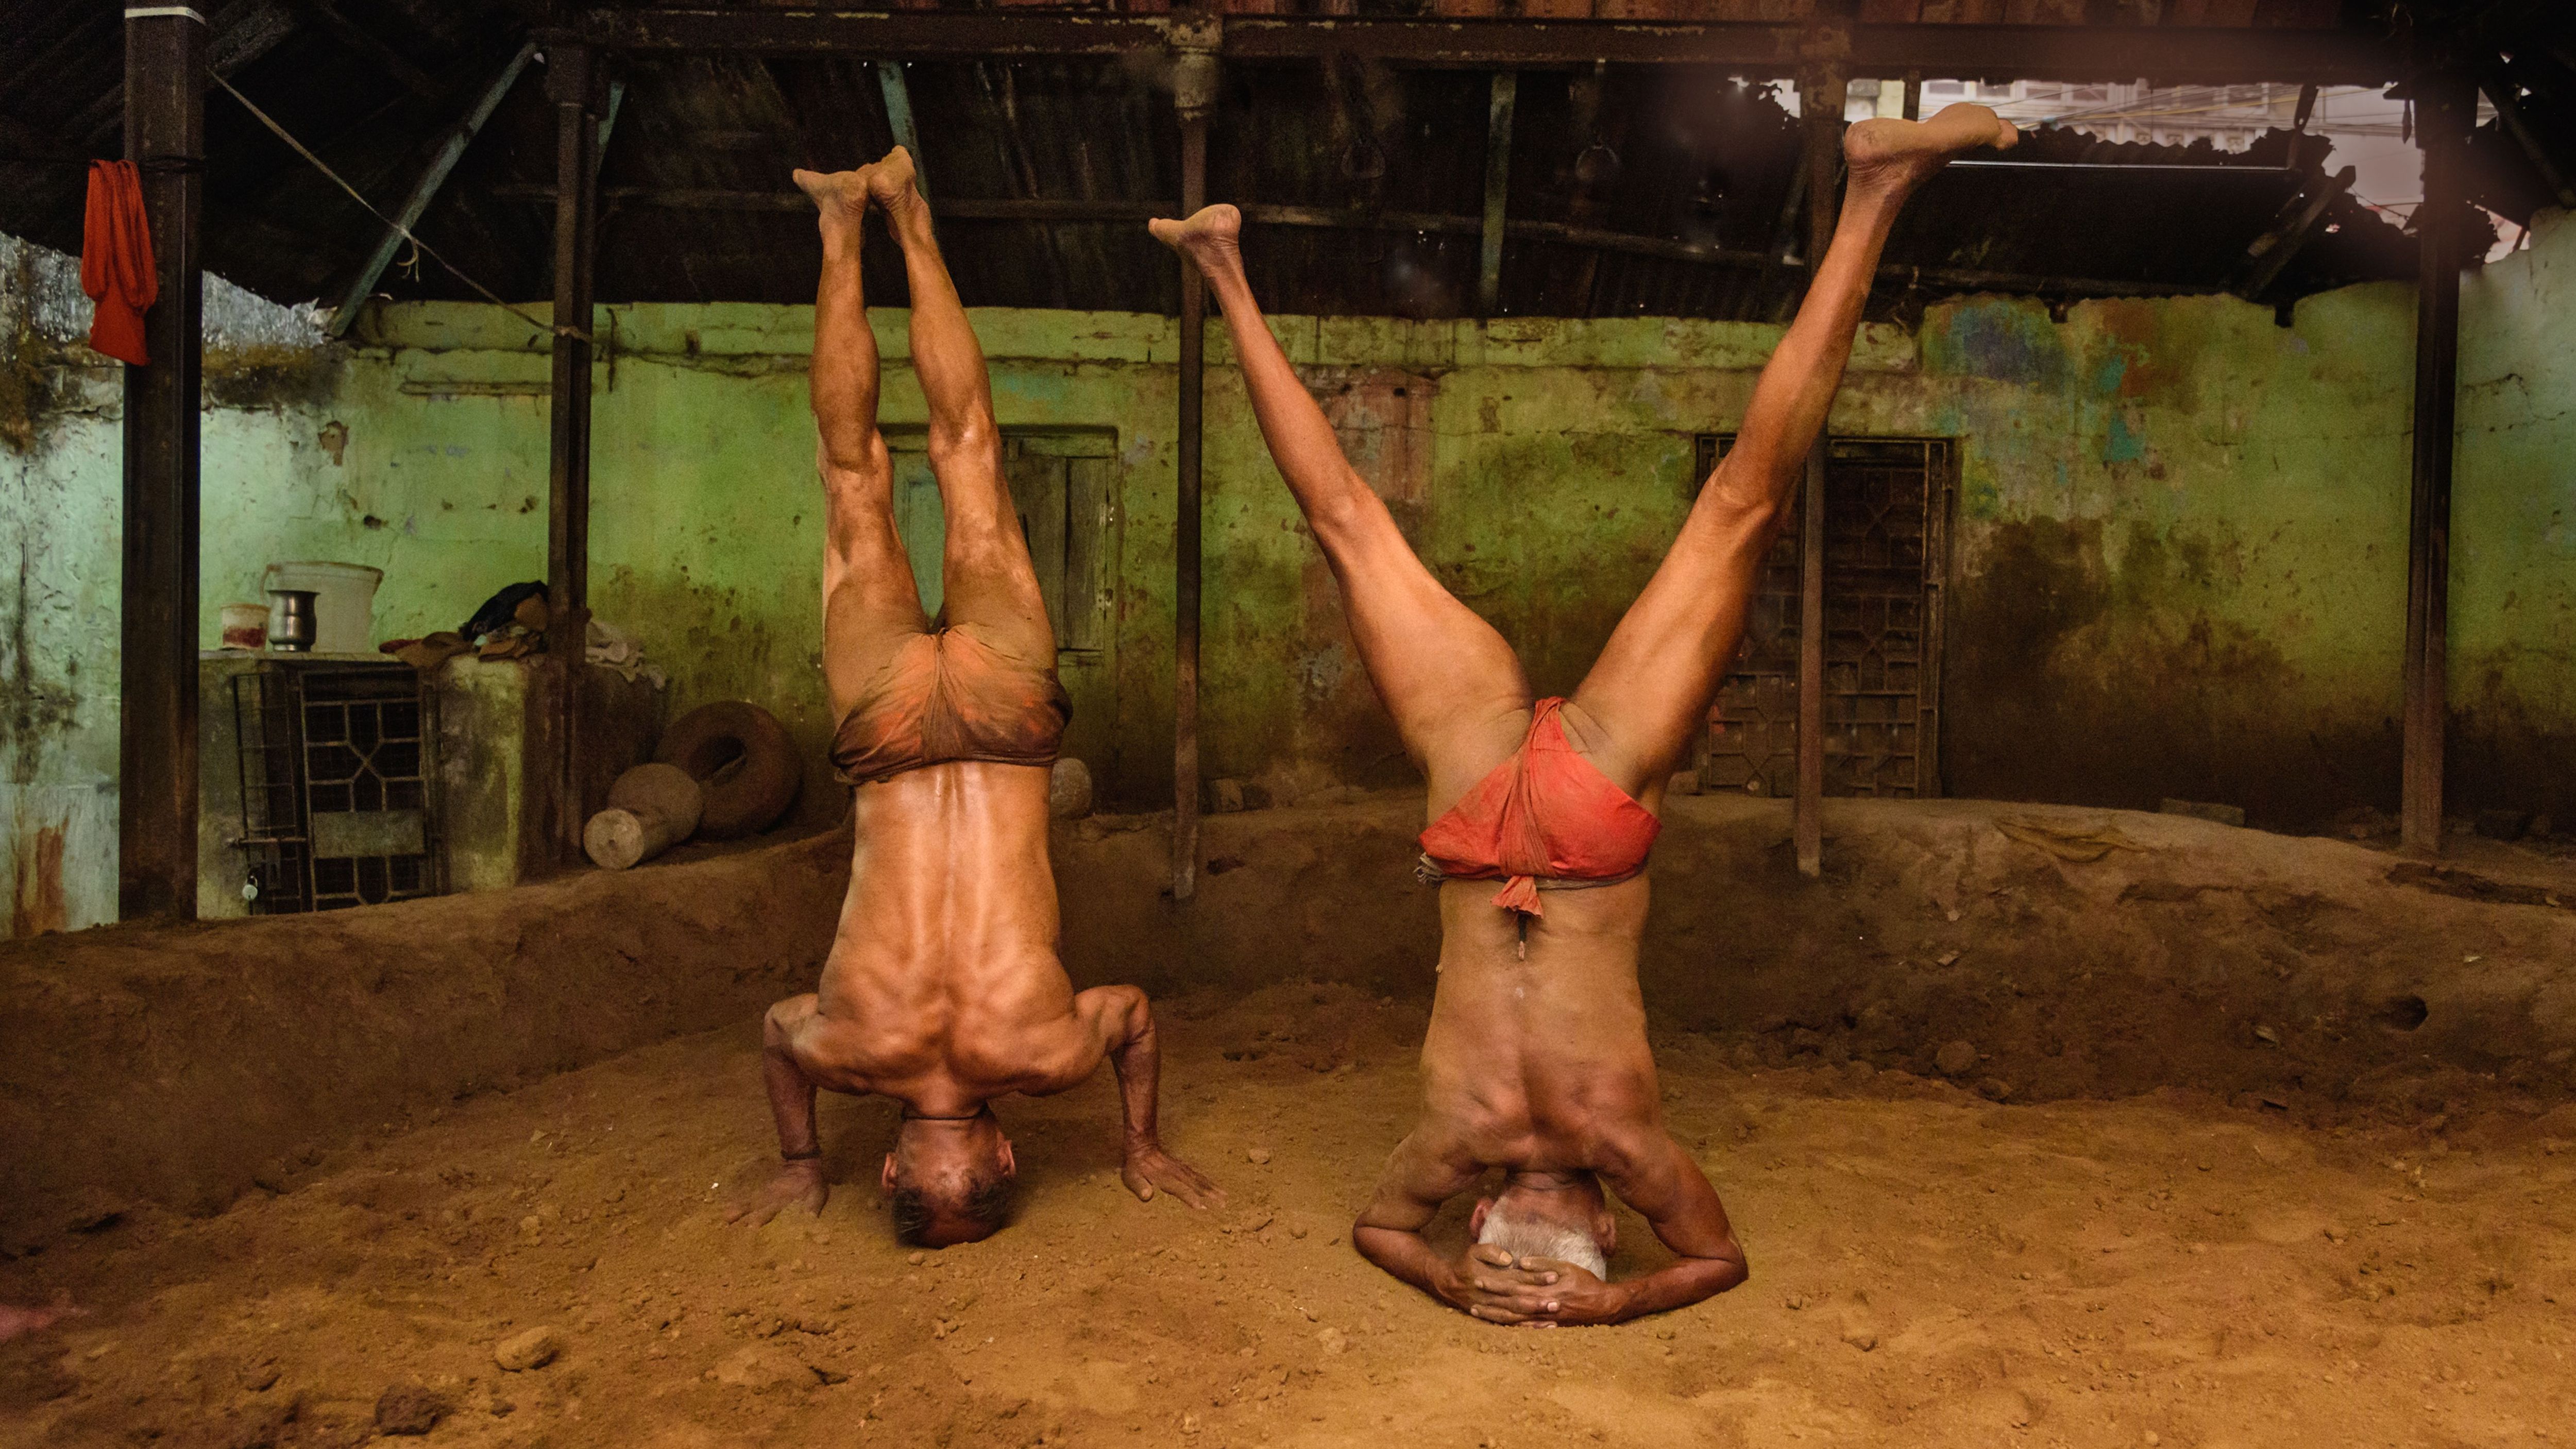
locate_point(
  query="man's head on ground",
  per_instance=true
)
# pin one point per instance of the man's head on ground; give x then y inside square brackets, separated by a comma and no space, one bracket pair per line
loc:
[1560,1215]
[949,1179]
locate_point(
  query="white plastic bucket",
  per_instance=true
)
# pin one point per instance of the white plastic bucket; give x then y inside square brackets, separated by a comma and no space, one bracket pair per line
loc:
[344,602]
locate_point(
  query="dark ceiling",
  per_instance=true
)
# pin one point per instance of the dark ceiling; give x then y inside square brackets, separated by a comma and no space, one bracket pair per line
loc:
[1635,189]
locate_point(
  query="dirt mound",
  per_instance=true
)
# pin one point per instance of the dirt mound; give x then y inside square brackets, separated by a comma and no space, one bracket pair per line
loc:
[183,1065]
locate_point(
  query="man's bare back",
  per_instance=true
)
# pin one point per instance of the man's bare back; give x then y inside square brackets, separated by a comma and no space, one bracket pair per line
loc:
[943,989]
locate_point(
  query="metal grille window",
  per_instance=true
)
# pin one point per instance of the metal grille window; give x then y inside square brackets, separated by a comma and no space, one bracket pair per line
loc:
[1887,509]
[336,772]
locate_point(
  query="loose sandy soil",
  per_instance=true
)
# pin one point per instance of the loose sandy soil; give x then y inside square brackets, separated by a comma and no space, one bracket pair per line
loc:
[1929,1269]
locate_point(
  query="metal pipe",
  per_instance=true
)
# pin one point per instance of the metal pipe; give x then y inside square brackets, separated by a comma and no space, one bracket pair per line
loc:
[1820,109]
[1194,95]
[165,135]
[570,85]
[2444,103]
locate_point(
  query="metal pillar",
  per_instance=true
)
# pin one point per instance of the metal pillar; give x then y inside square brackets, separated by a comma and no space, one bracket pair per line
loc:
[1820,108]
[571,86]
[165,128]
[1498,186]
[2444,110]
[1194,94]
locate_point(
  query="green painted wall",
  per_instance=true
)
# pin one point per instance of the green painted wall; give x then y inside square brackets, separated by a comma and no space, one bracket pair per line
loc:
[2178,560]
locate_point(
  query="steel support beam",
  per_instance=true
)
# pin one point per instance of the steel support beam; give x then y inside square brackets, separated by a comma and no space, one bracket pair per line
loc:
[2445,108]
[1194,78]
[571,86]
[165,135]
[1498,188]
[2172,54]
[451,149]
[2269,254]
[898,104]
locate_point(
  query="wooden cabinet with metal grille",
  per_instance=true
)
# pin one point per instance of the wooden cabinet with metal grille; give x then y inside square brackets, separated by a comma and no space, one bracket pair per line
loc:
[337,783]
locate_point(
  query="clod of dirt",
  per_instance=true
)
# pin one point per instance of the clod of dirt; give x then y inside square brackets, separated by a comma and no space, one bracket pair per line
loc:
[762,1369]
[1860,1338]
[1256,1155]
[1333,1340]
[260,1377]
[263,1427]
[1994,1089]
[523,1351]
[409,1409]
[1956,1059]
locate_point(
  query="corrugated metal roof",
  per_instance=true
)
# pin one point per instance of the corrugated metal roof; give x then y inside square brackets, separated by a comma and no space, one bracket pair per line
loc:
[1691,168]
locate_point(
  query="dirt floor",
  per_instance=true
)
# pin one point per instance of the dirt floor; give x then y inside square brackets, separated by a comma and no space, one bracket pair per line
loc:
[1928,1269]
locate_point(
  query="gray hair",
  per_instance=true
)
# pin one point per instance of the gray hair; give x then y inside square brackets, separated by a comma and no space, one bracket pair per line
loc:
[1538,1238]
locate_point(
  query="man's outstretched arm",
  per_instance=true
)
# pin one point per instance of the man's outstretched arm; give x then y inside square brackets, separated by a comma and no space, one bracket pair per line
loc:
[1123,1023]
[1669,1191]
[800,1179]
[1481,1281]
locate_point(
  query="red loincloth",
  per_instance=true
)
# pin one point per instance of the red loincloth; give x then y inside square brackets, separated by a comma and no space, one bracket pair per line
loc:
[116,261]
[952,695]
[1546,813]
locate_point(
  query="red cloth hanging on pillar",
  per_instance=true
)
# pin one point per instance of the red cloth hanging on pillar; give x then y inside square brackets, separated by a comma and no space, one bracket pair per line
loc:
[116,261]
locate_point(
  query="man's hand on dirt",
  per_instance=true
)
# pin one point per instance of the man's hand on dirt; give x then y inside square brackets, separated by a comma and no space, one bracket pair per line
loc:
[1490,1286]
[1578,1299]
[798,1184]
[1149,1168]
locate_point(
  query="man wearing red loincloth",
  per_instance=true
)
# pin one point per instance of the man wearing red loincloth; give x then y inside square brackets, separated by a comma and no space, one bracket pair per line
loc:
[942,989]
[1536,1060]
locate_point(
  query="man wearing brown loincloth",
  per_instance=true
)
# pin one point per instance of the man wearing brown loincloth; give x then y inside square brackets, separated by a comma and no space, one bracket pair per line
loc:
[1536,1060]
[942,989]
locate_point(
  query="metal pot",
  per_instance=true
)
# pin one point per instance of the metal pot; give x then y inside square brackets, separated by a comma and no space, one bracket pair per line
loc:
[290,621]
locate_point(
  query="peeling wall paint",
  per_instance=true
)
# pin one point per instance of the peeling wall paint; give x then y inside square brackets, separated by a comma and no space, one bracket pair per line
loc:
[2178,563]
[61,492]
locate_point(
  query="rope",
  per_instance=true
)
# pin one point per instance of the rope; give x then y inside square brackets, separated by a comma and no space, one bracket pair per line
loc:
[423,247]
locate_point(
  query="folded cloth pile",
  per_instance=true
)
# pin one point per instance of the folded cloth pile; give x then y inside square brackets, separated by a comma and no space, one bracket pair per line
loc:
[610,646]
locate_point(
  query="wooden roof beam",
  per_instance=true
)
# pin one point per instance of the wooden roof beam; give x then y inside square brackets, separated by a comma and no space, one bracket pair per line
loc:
[2168,54]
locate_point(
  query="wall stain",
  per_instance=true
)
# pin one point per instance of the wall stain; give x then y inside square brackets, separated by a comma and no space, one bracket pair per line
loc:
[35,712]
[2077,681]
[36,900]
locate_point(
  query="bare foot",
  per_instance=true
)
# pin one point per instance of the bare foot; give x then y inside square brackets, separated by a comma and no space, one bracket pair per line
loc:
[840,199]
[893,184]
[798,1184]
[1211,238]
[1893,155]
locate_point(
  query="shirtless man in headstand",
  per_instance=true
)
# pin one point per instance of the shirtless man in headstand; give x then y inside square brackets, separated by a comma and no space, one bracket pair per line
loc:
[942,989]
[1536,1060]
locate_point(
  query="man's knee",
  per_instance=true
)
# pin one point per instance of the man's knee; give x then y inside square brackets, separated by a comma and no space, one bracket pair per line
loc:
[857,451]
[966,440]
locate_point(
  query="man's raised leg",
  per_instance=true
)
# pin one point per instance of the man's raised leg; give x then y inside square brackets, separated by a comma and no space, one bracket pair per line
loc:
[986,574]
[1647,696]
[1455,688]
[870,604]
